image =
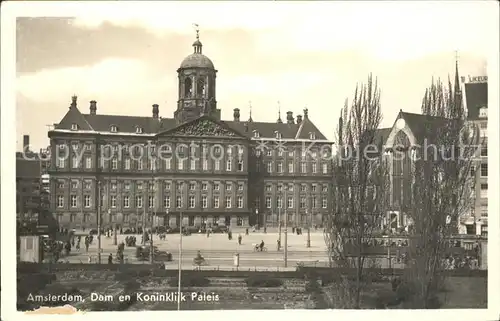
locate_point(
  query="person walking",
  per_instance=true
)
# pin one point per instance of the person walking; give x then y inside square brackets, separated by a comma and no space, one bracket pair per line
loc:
[239,239]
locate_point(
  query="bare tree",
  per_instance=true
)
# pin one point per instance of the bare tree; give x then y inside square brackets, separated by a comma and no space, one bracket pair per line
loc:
[358,192]
[441,190]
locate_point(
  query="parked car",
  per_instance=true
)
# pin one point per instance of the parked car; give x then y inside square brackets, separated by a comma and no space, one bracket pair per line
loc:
[160,229]
[172,230]
[219,229]
[143,252]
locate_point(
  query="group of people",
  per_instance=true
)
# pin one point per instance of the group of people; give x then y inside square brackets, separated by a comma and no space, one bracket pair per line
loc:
[454,262]
[130,241]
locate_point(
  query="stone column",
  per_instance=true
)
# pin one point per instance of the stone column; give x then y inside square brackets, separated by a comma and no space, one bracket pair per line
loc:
[173,221]
[478,227]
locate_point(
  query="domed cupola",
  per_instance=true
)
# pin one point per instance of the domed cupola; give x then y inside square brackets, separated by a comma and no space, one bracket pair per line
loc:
[197,59]
[196,85]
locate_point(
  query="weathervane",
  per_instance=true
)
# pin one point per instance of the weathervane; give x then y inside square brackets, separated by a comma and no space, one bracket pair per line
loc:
[197,29]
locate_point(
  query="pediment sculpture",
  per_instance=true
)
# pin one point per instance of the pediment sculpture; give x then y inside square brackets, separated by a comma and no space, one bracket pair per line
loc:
[203,127]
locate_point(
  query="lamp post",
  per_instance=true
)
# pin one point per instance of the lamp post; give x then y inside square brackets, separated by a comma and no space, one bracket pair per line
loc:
[180,265]
[279,225]
[286,239]
[99,205]
[153,209]
[115,236]
[257,214]
[308,229]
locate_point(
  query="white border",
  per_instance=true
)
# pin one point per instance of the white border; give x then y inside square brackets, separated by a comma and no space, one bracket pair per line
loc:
[11,10]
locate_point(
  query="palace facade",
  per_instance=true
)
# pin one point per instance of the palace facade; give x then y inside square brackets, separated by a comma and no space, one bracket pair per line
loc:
[146,171]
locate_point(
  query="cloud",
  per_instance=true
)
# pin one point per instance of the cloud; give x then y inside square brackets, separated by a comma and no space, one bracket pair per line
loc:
[111,77]
[280,84]
[388,30]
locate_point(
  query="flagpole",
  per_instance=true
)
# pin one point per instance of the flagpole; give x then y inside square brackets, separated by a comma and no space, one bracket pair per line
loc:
[180,265]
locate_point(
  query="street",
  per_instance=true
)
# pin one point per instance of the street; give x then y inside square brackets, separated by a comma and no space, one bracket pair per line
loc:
[217,250]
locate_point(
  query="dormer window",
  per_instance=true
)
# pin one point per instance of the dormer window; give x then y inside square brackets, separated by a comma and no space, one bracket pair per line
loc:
[312,136]
[277,134]
[256,134]
[114,129]
[139,130]
[483,112]
[74,126]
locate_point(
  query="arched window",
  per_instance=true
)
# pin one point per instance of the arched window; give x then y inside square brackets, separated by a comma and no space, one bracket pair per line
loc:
[401,141]
[188,87]
[201,87]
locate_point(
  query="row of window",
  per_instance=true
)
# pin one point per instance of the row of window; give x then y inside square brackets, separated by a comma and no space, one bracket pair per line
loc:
[127,185]
[303,187]
[167,150]
[302,202]
[86,218]
[129,164]
[278,168]
[483,170]
[138,201]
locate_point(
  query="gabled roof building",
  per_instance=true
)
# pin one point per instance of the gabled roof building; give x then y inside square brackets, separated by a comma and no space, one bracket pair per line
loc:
[144,171]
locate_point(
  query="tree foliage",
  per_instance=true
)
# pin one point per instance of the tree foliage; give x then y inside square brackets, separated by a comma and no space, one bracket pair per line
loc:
[359,184]
[441,189]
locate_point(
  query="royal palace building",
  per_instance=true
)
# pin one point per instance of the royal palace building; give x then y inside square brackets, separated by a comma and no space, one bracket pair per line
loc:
[146,171]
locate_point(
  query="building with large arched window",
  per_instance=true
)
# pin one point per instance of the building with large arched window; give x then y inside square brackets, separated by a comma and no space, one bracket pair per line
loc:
[411,132]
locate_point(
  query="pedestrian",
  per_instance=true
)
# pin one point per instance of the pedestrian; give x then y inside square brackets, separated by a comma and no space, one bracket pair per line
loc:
[278,245]
[246,231]
[239,239]
[90,259]
[110,258]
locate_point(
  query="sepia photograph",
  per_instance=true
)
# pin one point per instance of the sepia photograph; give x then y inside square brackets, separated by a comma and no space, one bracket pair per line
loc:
[194,156]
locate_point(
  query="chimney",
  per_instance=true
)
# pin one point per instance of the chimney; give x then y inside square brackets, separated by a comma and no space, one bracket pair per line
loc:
[26,143]
[299,119]
[156,111]
[289,117]
[93,107]
[236,114]
[73,101]
[306,113]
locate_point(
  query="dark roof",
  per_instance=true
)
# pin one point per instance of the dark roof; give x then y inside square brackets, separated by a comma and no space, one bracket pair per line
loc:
[423,126]
[476,96]
[197,60]
[288,131]
[128,124]
[27,168]
[381,135]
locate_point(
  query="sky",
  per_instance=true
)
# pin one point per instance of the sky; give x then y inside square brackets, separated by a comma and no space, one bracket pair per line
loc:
[125,56]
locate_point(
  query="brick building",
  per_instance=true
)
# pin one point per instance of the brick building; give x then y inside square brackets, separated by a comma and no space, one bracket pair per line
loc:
[476,103]
[145,171]
[409,132]
[31,167]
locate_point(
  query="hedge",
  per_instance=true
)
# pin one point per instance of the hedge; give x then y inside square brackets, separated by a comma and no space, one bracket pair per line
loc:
[190,281]
[263,282]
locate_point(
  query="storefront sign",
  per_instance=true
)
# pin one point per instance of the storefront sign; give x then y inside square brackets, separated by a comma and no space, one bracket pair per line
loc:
[474,79]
